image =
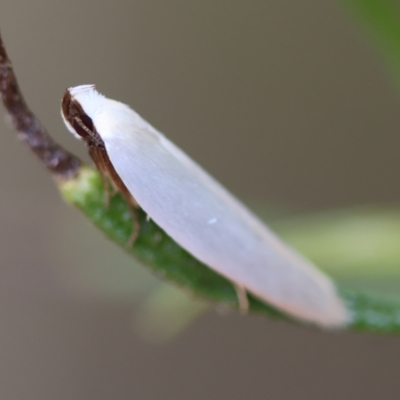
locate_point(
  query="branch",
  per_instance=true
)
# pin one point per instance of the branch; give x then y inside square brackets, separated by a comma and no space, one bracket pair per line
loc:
[57,160]
[82,187]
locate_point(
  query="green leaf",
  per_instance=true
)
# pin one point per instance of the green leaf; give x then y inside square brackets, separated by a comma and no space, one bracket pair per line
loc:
[159,252]
[350,243]
[166,313]
[380,19]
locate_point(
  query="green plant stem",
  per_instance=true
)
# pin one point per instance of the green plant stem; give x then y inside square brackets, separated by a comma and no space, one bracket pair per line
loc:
[158,251]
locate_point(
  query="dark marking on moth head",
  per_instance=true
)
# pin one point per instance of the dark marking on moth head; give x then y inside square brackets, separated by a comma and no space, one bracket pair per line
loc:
[83,126]
[80,121]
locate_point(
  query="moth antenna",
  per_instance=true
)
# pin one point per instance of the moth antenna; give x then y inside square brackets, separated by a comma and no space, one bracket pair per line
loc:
[136,226]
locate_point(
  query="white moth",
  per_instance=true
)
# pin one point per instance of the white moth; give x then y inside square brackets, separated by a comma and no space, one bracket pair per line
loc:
[196,211]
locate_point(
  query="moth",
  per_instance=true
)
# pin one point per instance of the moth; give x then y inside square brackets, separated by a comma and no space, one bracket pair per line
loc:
[198,212]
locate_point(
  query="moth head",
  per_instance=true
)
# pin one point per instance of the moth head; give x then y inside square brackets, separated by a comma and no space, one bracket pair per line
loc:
[79,106]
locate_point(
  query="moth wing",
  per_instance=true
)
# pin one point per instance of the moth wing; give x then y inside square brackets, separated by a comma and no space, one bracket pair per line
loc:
[207,221]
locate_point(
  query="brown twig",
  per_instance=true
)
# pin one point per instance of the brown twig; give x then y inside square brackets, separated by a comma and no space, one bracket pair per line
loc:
[57,160]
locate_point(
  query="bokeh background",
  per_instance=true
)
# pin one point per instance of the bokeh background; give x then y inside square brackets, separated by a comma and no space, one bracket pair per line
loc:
[285,102]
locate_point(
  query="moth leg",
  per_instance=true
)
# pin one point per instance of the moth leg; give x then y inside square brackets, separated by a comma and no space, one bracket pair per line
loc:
[114,188]
[133,206]
[107,190]
[135,230]
[242,298]
[113,185]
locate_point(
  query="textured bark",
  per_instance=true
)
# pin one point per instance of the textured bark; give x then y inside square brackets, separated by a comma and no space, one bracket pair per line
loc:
[57,160]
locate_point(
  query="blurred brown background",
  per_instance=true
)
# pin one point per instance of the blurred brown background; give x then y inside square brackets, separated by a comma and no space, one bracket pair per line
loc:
[283,101]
